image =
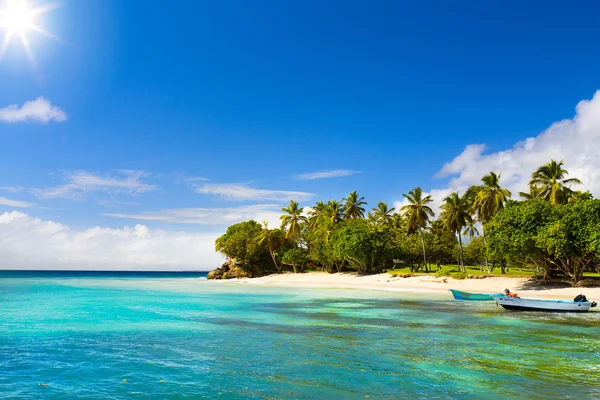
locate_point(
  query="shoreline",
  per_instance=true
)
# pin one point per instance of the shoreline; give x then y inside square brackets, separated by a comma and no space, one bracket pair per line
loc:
[322,280]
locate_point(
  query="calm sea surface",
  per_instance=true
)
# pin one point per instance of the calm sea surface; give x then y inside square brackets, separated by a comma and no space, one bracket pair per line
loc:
[171,336]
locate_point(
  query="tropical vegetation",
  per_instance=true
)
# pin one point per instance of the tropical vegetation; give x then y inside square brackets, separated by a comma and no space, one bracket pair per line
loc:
[554,232]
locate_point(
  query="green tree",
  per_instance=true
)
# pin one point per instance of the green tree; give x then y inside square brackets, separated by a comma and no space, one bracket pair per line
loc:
[535,192]
[292,220]
[296,257]
[512,234]
[383,214]
[455,216]
[274,239]
[333,212]
[569,240]
[490,199]
[353,206]
[316,213]
[365,247]
[552,181]
[417,214]
[239,244]
[474,252]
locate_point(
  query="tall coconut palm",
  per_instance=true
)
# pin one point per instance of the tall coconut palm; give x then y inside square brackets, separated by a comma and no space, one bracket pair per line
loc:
[535,192]
[353,206]
[316,213]
[551,179]
[383,214]
[456,214]
[490,198]
[292,220]
[333,212]
[417,214]
[272,241]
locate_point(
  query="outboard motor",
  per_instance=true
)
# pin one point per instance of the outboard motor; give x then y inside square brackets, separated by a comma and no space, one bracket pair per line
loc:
[594,304]
[580,299]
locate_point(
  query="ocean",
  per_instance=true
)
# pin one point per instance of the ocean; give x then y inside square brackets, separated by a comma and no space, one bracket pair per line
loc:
[81,335]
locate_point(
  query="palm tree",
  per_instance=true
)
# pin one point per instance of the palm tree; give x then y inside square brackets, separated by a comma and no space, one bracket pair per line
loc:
[490,198]
[417,213]
[292,220]
[267,236]
[353,206]
[535,192]
[471,229]
[382,213]
[551,179]
[333,212]
[316,213]
[455,216]
[398,221]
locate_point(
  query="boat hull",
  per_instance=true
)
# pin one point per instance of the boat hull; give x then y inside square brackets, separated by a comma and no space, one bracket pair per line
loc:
[519,304]
[458,295]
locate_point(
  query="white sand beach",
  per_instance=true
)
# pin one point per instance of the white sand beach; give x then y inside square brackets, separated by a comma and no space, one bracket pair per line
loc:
[431,284]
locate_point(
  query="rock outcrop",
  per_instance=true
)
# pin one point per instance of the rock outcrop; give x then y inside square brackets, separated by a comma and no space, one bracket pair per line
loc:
[227,271]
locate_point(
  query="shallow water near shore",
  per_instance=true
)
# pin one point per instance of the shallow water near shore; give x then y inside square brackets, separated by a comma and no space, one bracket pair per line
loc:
[175,336]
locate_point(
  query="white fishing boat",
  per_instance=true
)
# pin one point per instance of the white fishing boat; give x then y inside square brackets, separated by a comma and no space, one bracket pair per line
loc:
[579,304]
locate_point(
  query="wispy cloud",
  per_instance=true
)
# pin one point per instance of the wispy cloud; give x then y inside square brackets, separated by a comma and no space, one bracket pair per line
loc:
[193,179]
[576,141]
[336,173]
[209,216]
[30,243]
[14,203]
[234,191]
[82,183]
[11,189]
[38,110]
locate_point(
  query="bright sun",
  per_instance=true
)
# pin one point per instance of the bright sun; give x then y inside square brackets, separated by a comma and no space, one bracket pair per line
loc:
[17,17]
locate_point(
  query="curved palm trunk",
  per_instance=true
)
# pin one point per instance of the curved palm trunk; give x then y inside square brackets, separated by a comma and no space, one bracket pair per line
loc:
[274,260]
[462,265]
[424,256]
[487,264]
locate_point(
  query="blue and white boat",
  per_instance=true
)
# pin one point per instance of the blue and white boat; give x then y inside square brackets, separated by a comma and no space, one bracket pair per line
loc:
[579,304]
[458,295]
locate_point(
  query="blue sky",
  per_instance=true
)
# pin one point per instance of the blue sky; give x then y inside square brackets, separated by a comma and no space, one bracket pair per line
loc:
[144,112]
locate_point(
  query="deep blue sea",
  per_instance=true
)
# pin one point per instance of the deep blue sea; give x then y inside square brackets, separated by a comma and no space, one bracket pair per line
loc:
[66,335]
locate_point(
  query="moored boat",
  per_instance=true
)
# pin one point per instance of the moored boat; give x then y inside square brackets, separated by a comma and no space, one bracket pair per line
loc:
[458,295]
[579,304]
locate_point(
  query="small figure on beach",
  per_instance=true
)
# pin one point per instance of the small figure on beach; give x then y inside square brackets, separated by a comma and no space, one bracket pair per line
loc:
[507,293]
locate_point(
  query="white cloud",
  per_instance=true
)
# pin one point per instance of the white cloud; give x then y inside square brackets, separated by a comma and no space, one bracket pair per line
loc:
[193,179]
[336,173]
[14,203]
[11,189]
[31,243]
[234,191]
[81,183]
[576,141]
[39,110]
[211,216]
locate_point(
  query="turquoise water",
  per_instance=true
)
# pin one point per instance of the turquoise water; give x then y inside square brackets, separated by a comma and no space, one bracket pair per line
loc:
[176,337]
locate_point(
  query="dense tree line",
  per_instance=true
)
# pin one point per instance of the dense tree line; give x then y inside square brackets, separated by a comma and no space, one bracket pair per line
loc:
[553,230]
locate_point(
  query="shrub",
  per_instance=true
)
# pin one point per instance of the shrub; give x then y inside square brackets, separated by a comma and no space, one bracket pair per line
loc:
[459,275]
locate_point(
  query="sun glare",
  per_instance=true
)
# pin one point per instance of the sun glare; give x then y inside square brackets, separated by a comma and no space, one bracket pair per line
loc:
[17,18]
